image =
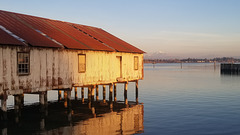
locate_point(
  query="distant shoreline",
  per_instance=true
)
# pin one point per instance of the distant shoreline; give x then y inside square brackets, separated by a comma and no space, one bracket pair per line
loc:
[194,60]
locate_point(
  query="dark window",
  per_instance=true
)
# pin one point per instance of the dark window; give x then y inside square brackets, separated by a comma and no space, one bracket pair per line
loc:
[135,62]
[23,63]
[81,63]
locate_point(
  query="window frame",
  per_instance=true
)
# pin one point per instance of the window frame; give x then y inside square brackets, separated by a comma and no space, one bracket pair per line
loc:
[23,74]
[136,68]
[85,68]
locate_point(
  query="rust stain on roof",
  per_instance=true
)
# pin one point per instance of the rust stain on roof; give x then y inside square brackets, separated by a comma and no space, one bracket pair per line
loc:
[42,32]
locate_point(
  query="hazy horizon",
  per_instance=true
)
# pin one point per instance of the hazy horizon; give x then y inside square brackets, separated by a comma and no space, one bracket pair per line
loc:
[186,28]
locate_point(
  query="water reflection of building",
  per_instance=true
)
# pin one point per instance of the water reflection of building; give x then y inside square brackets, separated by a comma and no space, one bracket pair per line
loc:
[100,118]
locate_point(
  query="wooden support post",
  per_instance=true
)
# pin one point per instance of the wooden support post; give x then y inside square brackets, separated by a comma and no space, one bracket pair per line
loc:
[110,92]
[17,106]
[4,107]
[43,102]
[76,96]
[104,94]
[89,94]
[89,97]
[59,95]
[22,100]
[65,99]
[137,91]
[69,99]
[82,94]
[92,92]
[45,99]
[41,98]
[97,91]
[115,92]
[125,93]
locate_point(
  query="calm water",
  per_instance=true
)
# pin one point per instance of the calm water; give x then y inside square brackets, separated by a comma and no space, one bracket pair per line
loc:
[193,100]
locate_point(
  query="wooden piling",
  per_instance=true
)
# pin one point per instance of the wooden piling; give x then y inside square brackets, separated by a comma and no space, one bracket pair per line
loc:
[17,106]
[104,94]
[92,92]
[137,91]
[22,100]
[41,98]
[125,93]
[110,92]
[65,99]
[97,91]
[82,94]
[59,95]
[115,92]
[43,103]
[89,97]
[4,107]
[69,98]
[75,92]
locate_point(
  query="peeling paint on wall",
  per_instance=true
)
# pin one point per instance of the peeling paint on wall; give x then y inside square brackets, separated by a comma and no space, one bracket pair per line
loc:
[58,68]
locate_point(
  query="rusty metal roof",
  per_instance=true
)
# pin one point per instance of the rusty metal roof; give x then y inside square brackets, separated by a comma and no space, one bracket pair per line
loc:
[6,39]
[42,32]
[18,28]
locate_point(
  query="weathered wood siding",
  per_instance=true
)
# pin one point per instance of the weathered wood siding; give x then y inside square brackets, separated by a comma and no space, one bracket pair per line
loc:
[58,69]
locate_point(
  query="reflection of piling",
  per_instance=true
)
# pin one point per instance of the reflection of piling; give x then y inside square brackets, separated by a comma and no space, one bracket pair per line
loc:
[115,92]
[104,94]
[125,93]
[181,65]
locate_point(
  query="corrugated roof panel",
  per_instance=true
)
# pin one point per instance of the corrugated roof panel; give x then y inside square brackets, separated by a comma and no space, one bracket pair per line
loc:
[43,32]
[56,34]
[102,38]
[80,36]
[6,39]
[117,40]
[18,28]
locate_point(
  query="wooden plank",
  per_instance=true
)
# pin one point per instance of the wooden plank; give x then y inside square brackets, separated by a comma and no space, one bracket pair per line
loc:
[1,70]
[43,69]
[6,69]
[35,67]
[49,68]
[55,69]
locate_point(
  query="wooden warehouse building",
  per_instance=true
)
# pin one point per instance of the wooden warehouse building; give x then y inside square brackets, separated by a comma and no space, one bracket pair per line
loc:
[39,54]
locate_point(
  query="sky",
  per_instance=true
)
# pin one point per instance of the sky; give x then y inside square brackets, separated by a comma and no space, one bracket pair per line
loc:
[172,28]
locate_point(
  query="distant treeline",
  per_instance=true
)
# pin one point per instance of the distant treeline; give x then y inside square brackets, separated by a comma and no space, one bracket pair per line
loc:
[194,60]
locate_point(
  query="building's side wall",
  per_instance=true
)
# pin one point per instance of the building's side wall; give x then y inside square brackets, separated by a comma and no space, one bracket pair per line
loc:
[58,69]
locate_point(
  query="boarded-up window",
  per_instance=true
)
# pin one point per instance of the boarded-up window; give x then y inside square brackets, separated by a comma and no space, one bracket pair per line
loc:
[81,63]
[23,62]
[136,62]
